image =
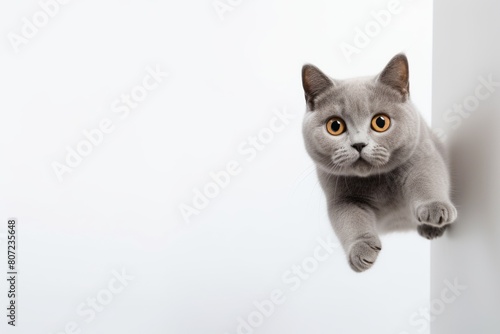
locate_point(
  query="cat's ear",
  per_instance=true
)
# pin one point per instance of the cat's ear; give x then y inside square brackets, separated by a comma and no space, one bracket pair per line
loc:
[396,74]
[314,82]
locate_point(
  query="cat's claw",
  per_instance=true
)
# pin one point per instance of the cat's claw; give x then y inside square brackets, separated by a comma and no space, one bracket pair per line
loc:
[436,214]
[364,252]
[430,232]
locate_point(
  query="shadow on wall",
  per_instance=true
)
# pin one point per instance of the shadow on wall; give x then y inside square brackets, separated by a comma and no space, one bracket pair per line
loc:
[470,252]
[475,164]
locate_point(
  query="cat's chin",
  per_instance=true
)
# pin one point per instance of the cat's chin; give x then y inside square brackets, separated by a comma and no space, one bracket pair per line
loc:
[362,168]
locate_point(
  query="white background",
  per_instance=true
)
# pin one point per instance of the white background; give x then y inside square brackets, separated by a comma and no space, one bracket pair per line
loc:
[120,207]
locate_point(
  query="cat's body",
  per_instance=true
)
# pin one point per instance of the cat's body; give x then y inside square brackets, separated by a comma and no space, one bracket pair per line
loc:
[385,192]
[379,164]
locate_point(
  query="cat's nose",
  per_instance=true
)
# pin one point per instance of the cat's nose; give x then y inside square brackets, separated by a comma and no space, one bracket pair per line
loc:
[358,146]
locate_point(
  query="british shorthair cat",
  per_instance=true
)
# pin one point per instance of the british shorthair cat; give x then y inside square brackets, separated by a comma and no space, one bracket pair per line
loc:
[379,164]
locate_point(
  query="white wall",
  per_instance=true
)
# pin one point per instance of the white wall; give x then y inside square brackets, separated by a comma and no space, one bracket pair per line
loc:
[119,208]
[466,102]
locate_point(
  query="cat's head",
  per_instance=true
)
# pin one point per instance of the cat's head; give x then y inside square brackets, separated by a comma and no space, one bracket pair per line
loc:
[362,126]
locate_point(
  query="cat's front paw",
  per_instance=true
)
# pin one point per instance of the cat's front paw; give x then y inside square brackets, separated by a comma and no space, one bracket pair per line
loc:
[436,213]
[364,252]
[430,232]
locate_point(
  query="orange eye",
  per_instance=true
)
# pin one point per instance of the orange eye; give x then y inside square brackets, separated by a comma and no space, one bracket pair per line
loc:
[381,123]
[335,126]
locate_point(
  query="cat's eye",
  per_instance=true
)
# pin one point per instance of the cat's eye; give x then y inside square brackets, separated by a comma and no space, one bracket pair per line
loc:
[335,126]
[381,123]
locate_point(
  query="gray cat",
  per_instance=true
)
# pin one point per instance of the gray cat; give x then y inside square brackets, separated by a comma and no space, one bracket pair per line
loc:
[379,164]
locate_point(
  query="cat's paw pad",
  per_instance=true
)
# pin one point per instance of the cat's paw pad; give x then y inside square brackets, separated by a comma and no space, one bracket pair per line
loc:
[436,213]
[430,232]
[364,252]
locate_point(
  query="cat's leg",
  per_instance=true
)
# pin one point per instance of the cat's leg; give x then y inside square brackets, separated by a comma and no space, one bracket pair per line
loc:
[354,225]
[427,188]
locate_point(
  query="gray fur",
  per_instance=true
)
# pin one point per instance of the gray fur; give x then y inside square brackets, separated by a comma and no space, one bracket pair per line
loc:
[399,180]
